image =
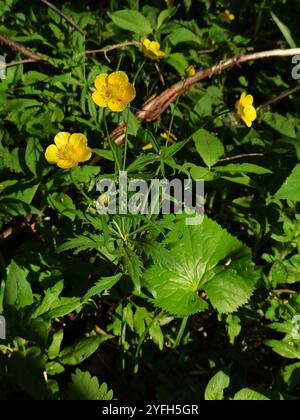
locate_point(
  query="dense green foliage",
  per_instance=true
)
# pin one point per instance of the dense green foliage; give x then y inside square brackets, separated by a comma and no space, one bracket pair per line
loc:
[139,306]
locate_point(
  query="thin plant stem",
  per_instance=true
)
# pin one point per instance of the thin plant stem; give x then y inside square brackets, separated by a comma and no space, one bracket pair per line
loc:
[139,71]
[142,339]
[109,141]
[181,332]
[126,140]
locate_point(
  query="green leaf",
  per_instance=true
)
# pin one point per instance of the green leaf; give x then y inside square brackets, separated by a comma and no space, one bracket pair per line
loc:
[181,34]
[289,350]
[33,154]
[63,203]
[209,147]
[216,386]
[105,283]
[198,172]
[249,394]
[290,190]
[233,327]
[209,259]
[284,30]
[106,154]
[64,307]
[279,123]
[77,353]
[84,387]
[165,15]
[18,291]
[131,20]
[179,62]
[19,190]
[54,348]
[234,168]
[50,299]
[133,266]
[83,174]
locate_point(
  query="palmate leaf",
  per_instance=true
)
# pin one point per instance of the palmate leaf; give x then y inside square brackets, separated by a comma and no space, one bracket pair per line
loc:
[209,259]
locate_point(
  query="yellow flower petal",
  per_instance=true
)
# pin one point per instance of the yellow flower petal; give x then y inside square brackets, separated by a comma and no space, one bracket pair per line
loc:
[152,50]
[129,93]
[247,100]
[78,140]
[250,113]
[247,122]
[51,154]
[100,81]
[61,139]
[118,77]
[99,99]
[190,70]
[148,147]
[67,164]
[160,54]
[117,105]
[84,154]
[245,109]
[170,136]
[146,42]
[154,46]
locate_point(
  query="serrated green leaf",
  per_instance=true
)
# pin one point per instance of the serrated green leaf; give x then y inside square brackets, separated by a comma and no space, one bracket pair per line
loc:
[288,350]
[133,266]
[209,259]
[84,387]
[105,283]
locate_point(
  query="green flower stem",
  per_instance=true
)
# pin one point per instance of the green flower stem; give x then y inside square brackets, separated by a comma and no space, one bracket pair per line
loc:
[109,140]
[139,71]
[142,339]
[181,332]
[126,140]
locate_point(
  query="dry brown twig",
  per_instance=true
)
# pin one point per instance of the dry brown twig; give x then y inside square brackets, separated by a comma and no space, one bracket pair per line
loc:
[278,98]
[20,48]
[64,16]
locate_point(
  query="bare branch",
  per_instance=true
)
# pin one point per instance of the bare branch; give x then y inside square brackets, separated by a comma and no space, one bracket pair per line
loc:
[67,18]
[153,109]
[18,47]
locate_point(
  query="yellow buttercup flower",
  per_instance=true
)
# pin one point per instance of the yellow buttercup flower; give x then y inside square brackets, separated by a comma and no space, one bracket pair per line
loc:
[69,150]
[152,49]
[227,16]
[190,70]
[168,136]
[113,91]
[245,109]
